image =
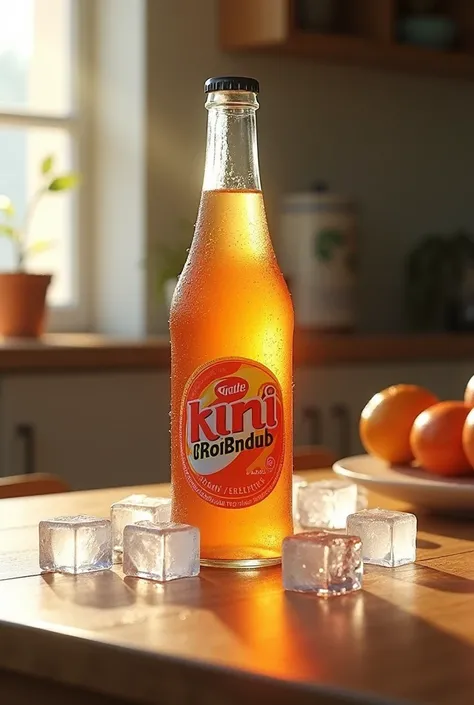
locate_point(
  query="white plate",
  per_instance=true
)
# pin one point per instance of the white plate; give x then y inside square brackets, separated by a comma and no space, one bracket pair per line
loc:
[416,487]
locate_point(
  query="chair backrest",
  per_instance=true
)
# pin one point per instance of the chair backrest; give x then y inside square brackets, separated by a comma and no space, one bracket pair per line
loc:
[29,485]
[313,458]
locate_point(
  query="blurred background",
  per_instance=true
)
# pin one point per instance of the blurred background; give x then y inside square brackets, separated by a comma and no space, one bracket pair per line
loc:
[365,135]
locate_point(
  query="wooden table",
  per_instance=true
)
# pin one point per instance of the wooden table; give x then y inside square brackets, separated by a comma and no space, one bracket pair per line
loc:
[230,637]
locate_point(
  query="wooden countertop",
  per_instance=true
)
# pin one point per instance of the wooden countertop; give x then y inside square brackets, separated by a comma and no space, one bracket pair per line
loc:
[232,637]
[87,351]
[83,351]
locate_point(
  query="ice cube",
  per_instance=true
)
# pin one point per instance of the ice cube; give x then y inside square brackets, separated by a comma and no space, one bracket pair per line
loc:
[137,507]
[160,551]
[326,504]
[388,537]
[75,544]
[298,482]
[321,562]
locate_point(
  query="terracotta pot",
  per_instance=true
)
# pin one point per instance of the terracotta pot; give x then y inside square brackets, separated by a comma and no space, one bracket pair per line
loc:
[23,304]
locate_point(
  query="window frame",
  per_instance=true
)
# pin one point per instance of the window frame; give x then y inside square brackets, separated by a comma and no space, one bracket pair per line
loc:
[77,315]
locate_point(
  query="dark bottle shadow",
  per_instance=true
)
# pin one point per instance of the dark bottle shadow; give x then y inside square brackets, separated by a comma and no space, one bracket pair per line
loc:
[456,525]
[103,589]
[428,576]
[424,543]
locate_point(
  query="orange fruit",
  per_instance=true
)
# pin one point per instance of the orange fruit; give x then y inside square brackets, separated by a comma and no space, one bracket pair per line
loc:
[469,393]
[437,438]
[386,421]
[468,437]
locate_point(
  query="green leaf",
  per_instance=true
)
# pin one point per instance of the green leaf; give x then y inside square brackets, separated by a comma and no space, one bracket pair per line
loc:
[40,246]
[9,231]
[6,206]
[327,240]
[336,237]
[166,261]
[47,164]
[324,253]
[64,183]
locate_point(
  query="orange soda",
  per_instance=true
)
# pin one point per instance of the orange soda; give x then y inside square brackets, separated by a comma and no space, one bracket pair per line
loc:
[231,327]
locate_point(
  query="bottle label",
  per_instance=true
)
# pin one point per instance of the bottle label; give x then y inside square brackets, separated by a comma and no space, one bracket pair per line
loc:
[232,432]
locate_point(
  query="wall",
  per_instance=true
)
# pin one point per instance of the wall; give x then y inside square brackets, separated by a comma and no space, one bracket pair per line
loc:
[401,145]
[120,237]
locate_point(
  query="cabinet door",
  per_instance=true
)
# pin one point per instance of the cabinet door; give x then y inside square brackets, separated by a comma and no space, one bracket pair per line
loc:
[329,401]
[94,430]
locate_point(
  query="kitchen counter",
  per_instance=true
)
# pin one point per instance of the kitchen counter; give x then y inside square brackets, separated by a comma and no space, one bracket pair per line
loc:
[88,351]
[83,351]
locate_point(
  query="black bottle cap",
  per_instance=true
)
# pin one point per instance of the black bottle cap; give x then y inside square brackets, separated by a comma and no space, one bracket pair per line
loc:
[231,83]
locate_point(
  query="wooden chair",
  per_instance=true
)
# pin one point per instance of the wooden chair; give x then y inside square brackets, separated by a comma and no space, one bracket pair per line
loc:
[313,458]
[30,485]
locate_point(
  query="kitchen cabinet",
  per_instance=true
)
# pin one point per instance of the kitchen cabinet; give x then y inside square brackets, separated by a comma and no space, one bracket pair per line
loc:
[111,428]
[329,400]
[94,430]
[365,35]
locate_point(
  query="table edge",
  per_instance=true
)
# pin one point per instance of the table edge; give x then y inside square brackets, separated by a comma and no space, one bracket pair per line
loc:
[137,668]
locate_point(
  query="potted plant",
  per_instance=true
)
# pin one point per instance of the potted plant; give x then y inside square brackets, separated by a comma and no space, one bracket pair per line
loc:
[438,282]
[23,294]
[169,260]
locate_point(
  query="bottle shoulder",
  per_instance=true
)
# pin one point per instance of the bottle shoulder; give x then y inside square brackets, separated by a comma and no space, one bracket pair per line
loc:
[237,289]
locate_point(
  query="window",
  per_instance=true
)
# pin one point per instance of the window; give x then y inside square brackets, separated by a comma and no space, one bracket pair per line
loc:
[40,114]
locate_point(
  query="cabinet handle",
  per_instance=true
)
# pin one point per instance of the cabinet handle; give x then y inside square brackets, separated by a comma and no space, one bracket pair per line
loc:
[340,413]
[26,433]
[313,419]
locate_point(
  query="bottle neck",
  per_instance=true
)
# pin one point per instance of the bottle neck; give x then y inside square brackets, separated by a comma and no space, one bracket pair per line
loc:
[232,152]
